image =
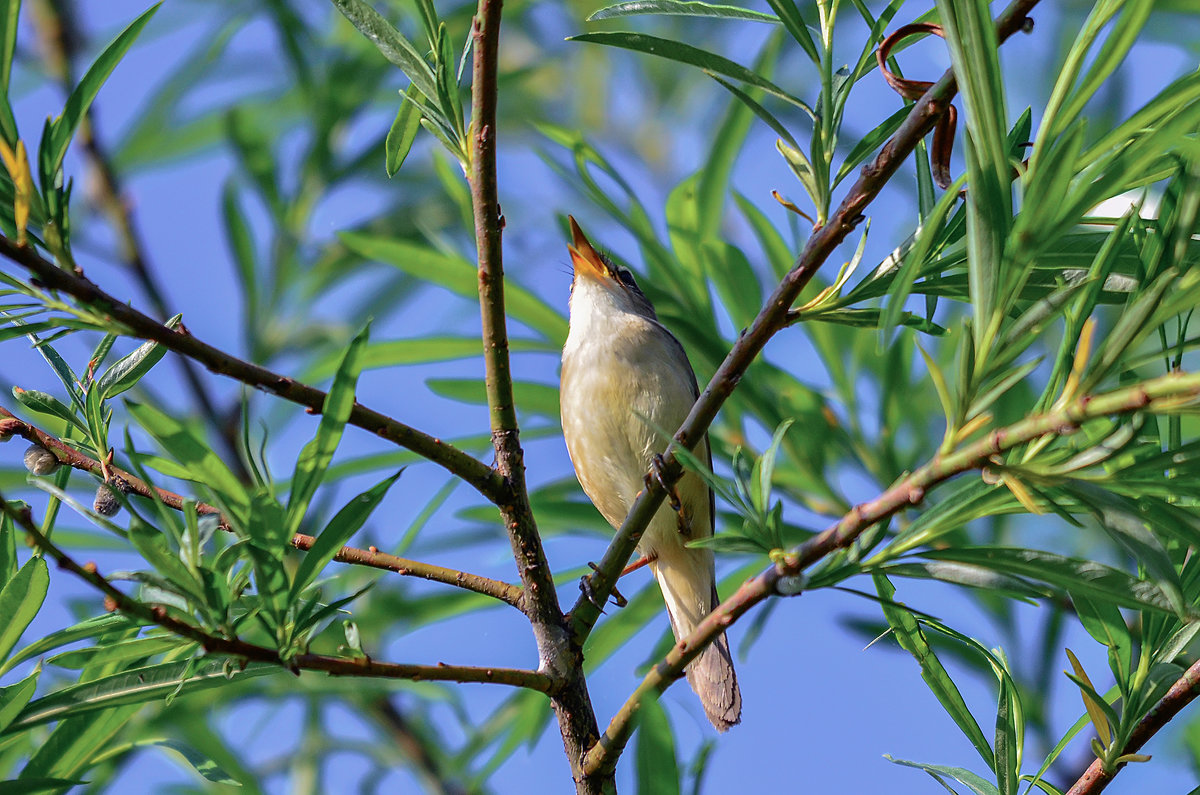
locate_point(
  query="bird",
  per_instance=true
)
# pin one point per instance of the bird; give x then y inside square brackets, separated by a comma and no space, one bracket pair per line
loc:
[623,374]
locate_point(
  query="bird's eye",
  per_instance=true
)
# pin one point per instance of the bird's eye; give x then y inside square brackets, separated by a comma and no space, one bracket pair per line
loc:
[626,277]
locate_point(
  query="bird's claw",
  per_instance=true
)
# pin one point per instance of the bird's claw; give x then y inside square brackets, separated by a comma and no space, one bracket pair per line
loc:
[657,465]
[585,585]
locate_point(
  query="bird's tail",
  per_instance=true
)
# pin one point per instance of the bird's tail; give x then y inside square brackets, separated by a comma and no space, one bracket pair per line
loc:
[688,582]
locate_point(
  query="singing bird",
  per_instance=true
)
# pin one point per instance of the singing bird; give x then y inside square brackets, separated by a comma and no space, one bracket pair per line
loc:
[623,374]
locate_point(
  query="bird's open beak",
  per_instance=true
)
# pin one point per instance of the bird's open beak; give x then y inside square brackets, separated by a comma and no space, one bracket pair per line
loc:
[584,258]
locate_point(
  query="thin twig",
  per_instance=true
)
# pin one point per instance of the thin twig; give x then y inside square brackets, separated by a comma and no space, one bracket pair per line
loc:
[771,318]
[233,647]
[572,704]
[482,477]
[55,21]
[12,425]
[1185,690]
[785,578]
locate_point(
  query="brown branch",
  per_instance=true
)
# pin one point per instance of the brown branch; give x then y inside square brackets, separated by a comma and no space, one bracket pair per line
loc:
[486,480]
[572,704]
[1095,779]
[61,42]
[233,647]
[785,578]
[771,318]
[11,425]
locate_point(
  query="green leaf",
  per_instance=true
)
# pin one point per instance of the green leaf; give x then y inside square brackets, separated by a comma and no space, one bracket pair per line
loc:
[49,405]
[340,529]
[1085,577]
[694,8]
[88,628]
[31,786]
[978,785]
[196,760]
[20,601]
[63,128]
[789,15]
[403,132]
[14,698]
[240,240]
[136,686]
[123,651]
[693,56]
[910,637]
[1104,622]
[197,457]
[127,371]
[422,350]
[459,276]
[391,44]
[540,399]
[317,454]
[655,759]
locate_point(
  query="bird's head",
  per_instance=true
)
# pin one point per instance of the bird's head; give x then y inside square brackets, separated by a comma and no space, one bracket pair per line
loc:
[603,285]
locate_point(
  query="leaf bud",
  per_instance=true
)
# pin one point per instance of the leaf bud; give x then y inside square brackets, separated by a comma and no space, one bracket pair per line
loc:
[106,502]
[39,460]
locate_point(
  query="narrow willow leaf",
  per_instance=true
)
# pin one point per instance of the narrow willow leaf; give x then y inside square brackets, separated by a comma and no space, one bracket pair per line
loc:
[203,765]
[908,633]
[47,404]
[402,133]
[316,456]
[693,56]
[348,521]
[789,15]
[540,399]
[240,240]
[1105,624]
[14,698]
[691,8]
[459,276]
[391,44]
[136,686]
[123,651]
[20,601]
[88,628]
[422,350]
[978,785]
[63,128]
[654,752]
[127,371]
[1086,577]
[197,457]
[1091,702]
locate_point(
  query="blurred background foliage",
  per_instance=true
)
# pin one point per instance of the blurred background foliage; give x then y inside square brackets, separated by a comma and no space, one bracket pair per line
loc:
[248,156]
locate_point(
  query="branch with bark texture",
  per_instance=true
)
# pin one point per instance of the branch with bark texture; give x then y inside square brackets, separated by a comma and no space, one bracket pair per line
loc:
[773,317]
[1185,690]
[482,477]
[233,647]
[785,578]
[11,425]
[571,702]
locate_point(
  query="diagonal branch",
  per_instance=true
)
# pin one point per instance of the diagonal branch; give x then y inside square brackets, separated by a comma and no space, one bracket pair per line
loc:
[771,318]
[511,594]
[785,578]
[1185,690]
[486,480]
[233,647]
